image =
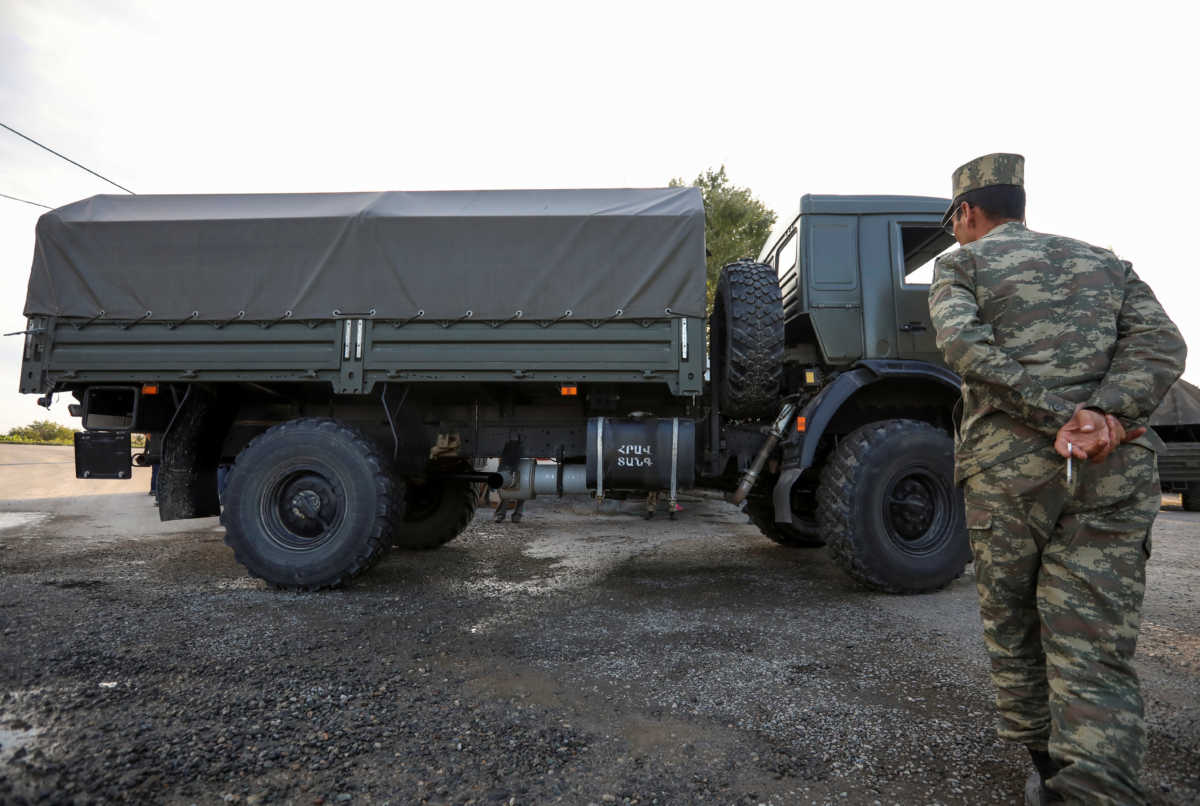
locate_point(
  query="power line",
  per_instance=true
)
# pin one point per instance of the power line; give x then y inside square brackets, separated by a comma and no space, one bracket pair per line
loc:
[68,159]
[27,201]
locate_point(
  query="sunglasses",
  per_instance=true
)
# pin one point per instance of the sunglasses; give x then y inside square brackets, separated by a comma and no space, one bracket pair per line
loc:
[949,225]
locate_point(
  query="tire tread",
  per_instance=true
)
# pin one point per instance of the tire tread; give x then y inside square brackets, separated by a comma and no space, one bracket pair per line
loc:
[841,476]
[762,515]
[405,537]
[749,309]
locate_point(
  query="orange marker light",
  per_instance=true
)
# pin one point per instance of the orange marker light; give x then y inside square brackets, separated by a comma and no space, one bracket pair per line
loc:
[801,424]
[149,389]
[569,391]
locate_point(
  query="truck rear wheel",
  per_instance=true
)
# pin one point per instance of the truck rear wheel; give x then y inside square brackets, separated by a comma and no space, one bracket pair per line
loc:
[888,506]
[436,512]
[307,504]
[746,334]
[801,536]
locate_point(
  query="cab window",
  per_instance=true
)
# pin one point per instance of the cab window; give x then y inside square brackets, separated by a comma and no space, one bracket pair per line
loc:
[921,245]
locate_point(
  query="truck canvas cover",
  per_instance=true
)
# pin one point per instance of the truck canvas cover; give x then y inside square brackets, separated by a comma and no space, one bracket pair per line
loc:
[542,253]
[1181,406]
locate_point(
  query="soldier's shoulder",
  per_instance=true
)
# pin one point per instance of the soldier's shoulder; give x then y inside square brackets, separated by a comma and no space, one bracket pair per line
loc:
[956,258]
[1063,243]
[1021,244]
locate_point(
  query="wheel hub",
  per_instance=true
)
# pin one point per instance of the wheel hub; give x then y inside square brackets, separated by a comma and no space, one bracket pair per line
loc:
[306,506]
[911,507]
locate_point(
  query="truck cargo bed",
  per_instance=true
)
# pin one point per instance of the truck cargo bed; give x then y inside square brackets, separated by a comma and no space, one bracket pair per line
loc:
[355,354]
[357,288]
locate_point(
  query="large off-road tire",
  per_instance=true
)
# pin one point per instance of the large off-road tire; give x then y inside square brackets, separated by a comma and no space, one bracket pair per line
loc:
[308,504]
[804,535]
[888,506]
[746,340]
[436,512]
[1190,499]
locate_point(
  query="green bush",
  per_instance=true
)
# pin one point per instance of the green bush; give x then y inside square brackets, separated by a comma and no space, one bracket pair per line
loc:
[41,432]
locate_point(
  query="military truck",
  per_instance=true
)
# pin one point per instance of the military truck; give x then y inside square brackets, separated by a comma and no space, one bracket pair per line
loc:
[1177,422]
[365,362]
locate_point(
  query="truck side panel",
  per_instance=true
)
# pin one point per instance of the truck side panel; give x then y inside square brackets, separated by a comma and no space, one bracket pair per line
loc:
[639,351]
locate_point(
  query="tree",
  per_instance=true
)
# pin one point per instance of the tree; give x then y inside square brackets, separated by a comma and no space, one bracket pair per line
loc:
[736,225]
[42,431]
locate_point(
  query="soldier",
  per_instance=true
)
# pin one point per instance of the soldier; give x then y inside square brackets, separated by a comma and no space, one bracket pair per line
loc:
[1063,354]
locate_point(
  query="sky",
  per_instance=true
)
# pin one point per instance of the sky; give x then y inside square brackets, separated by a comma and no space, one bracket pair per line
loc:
[823,97]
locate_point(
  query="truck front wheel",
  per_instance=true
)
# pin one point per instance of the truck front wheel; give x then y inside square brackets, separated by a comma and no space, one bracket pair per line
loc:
[436,512]
[890,510]
[308,504]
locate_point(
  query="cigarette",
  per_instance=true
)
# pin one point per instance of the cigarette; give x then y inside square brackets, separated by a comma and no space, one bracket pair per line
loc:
[1070,456]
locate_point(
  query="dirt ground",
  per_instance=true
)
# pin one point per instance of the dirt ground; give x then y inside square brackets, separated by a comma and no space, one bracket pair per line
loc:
[578,657]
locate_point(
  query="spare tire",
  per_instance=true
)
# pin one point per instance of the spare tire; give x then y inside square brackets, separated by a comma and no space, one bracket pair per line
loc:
[746,340]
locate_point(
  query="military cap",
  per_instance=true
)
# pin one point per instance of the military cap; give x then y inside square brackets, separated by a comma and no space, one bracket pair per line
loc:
[982,172]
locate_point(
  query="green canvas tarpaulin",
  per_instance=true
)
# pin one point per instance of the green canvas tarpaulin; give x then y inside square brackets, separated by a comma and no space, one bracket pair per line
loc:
[315,256]
[1181,406]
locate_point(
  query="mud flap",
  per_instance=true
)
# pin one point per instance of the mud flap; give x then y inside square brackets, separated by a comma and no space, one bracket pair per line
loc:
[103,455]
[191,451]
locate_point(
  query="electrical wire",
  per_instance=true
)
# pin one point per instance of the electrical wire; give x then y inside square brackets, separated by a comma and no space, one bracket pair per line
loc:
[27,201]
[68,159]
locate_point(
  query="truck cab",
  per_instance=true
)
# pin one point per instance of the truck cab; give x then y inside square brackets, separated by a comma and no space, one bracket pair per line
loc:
[867,465]
[854,273]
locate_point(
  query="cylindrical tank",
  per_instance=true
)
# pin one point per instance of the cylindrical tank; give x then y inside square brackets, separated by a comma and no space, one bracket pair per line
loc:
[530,479]
[651,454]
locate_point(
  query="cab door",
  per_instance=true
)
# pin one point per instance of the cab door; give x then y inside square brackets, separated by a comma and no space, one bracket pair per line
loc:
[915,246]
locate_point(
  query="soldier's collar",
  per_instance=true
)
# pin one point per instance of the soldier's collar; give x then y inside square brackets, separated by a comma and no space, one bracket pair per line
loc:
[1005,228]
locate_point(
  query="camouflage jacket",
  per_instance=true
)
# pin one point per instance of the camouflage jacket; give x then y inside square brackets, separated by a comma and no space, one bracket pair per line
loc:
[1035,324]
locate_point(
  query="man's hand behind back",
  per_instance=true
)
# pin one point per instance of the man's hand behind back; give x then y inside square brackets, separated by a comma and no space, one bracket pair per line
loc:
[1092,435]
[1086,434]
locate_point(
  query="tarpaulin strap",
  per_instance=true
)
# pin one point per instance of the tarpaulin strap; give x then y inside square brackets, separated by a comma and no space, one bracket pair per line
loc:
[598,322]
[566,315]
[240,315]
[174,325]
[143,318]
[286,315]
[453,322]
[88,322]
[512,318]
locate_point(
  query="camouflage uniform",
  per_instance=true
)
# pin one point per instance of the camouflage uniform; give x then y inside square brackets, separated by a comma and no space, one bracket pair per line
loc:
[1035,324]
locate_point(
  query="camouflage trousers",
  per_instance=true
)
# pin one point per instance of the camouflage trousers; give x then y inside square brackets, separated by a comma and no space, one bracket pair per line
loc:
[1061,572]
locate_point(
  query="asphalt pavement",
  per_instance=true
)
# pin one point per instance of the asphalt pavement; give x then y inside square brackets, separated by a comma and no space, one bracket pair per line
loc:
[581,656]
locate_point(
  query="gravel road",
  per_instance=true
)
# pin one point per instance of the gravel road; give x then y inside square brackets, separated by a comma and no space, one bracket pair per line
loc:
[577,657]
